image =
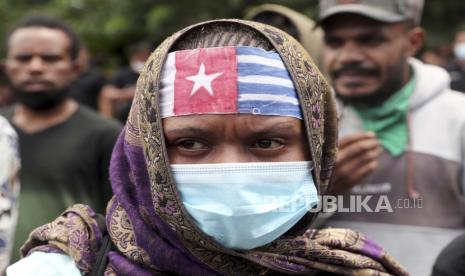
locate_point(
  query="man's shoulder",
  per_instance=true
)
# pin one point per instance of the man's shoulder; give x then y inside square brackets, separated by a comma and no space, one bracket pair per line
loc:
[447,107]
[452,101]
[454,95]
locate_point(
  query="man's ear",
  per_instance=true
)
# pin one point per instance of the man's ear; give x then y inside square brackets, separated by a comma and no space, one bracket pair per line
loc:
[77,68]
[416,36]
[2,64]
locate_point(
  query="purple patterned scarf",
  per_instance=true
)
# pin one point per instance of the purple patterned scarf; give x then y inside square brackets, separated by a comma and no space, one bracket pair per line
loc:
[148,224]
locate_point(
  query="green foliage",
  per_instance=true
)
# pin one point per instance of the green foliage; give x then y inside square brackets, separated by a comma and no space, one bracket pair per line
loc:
[108,26]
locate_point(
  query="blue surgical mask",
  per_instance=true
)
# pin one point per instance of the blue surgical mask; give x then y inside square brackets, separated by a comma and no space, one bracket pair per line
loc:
[246,205]
[459,51]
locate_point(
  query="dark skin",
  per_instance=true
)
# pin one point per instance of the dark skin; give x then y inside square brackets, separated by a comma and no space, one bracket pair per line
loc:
[367,62]
[200,139]
[365,57]
[357,157]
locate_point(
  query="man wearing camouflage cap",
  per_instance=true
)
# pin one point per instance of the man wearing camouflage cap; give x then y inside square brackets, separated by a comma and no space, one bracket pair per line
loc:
[402,133]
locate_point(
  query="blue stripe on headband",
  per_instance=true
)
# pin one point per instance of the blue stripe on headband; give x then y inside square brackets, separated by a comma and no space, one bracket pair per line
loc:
[270,89]
[246,50]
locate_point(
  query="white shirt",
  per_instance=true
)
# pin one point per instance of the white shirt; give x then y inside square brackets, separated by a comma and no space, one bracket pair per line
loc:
[44,264]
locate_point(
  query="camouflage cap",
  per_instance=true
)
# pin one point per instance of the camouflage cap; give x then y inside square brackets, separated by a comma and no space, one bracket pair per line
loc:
[389,11]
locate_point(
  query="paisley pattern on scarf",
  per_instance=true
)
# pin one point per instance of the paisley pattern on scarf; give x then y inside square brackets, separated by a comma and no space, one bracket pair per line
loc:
[153,232]
[75,233]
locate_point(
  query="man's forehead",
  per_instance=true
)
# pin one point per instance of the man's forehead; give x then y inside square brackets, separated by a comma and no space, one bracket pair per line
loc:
[38,39]
[38,35]
[219,121]
[37,31]
[351,20]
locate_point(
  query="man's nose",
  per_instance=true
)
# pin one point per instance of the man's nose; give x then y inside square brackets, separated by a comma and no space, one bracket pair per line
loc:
[230,154]
[351,52]
[36,65]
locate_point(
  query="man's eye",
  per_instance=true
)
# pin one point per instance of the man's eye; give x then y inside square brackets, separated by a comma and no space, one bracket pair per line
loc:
[267,144]
[51,58]
[372,41]
[24,58]
[333,42]
[191,144]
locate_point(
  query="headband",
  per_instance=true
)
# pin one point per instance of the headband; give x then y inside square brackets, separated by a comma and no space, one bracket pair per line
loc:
[227,80]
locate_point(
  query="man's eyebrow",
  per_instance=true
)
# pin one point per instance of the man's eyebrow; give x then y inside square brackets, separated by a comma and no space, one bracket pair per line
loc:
[190,131]
[371,33]
[328,35]
[279,128]
[265,129]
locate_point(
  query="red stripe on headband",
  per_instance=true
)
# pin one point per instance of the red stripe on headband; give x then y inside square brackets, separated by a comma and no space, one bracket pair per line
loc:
[205,81]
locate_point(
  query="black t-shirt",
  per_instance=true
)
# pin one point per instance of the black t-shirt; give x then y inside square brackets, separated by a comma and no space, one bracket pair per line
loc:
[124,78]
[457,77]
[87,87]
[61,166]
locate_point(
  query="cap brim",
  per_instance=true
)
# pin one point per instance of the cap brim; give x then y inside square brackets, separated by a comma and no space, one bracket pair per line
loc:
[371,12]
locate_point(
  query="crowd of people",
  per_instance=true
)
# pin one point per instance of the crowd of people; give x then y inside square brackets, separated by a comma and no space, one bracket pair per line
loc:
[272,145]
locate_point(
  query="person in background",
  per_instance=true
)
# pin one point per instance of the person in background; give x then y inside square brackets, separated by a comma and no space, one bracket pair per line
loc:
[9,190]
[6,95]
[65,148]
[433,56]
[296,24]
[116,97]
[457,67]
[216,171]
[87,87]
[451,260]
[402,139]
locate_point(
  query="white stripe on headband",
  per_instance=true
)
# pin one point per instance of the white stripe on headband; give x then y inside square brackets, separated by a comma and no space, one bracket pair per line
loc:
[261,60]
[268,98]
[267,80]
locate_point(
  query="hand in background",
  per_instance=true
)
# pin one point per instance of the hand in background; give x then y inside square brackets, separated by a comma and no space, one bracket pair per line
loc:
[356,158]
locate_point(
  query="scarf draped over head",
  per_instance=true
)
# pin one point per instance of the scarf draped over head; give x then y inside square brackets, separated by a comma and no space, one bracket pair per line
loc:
[146,220]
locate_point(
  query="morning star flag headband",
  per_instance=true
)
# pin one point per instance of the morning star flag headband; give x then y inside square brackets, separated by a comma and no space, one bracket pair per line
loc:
[227,80]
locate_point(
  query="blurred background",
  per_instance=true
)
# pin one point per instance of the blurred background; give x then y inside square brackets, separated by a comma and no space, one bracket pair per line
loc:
[107,27]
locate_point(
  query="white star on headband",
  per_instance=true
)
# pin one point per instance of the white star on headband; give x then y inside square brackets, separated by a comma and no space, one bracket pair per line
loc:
[203,80]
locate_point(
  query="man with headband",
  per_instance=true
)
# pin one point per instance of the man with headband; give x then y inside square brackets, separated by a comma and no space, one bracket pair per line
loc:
[229,142]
